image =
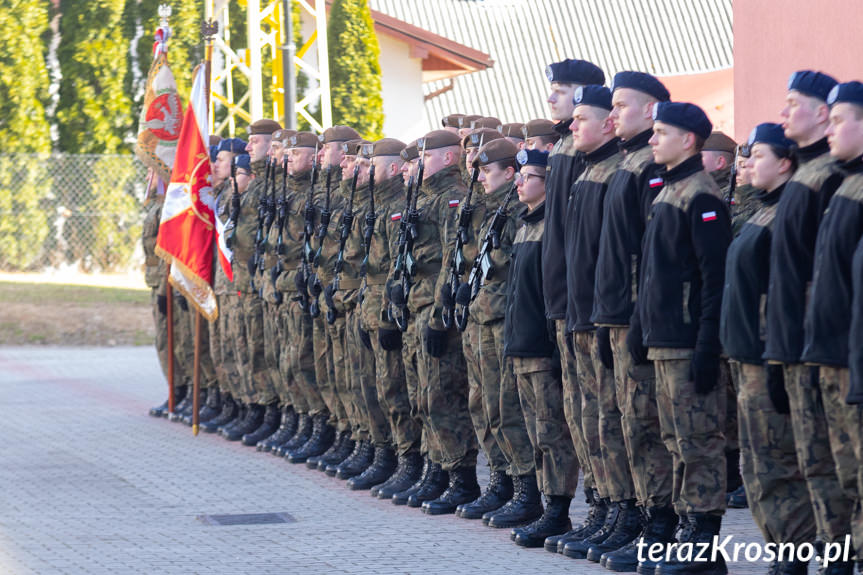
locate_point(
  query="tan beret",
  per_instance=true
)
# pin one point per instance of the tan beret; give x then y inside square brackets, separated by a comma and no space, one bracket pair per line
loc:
[438,139]
[465,121]
[495,151]
[283,135]
[451,121]
[538,127]
[411,152]
[303,140]
[719,142]
[485,122]
[339,134]
[352,147]
[512,130]
[482,135]
[265,127]
[387,147]
[214,140]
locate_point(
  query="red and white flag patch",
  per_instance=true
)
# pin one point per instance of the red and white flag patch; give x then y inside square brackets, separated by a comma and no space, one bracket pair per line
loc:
[708,216]
[655,182]
[396,217]
[453,203]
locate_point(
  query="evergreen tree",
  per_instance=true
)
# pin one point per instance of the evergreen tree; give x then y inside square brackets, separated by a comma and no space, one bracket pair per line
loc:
[355,74]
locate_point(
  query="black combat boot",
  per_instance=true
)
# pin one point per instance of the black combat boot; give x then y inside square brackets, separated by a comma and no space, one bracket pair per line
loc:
[554,521]
[228,413]
[269,425]
[212,407]
[254,418]
[360,460]
[434,485]
[737,499]
[496,494]
[338,452]
[702,529]
[788,568]
[401,497]
[239,417]
[577,549]
[322,437]
[462,488]
[524,507]
[628,526]
[659,525]
[596,512]
[837,568]
[304,432]
[409,472]
[287,429]
[162,410]
[382,468]
[184,407]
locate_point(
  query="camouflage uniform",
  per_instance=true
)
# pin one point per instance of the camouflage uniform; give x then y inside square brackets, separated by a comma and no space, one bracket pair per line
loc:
[248,334]
[745,205]
[499,388]
[223,354]
[572,404]
[442,386]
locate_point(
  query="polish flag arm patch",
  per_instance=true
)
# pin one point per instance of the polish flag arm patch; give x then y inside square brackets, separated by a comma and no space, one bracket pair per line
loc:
[708,216]
[453,203]
[655,182]
[396,217]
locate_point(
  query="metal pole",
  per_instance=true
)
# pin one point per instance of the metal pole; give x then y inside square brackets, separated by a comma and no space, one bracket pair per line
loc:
[196,378]
[323,62]
[169,298]
[289,79]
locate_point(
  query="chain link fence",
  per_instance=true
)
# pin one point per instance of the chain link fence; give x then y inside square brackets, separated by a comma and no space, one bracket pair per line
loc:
[60,211]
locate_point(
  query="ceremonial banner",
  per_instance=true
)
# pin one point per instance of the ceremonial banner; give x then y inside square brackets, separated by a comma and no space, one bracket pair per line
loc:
[161,116]
[186,231]
[226,256]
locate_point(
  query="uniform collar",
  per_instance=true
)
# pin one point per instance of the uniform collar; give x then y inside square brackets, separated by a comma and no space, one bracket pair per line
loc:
[689,166]
[259,168]
[562,127]
[812,151]
[445,178]
[604,152]
[769,198]
[496,197]
[636,142]
[854,166]
[535,215]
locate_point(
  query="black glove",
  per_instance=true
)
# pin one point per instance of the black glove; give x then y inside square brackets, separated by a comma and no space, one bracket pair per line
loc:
[390,339]
[162,304]
[300,281]
[704,371]
[397,295]
[603,340]
[776,388]
[446,296]
[435,342]
[635,345]
[462,295]
[329,291]
[365,338]
[277,296]
[181,301]
[315,287]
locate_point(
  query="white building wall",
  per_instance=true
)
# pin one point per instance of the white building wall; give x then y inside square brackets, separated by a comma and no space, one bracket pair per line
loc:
[402,90]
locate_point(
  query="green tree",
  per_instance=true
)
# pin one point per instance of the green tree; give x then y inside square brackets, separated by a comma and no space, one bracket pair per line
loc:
[24,131]
[355,74]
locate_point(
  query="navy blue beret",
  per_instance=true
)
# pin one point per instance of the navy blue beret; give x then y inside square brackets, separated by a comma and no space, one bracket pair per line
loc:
[684,115]
[592,95]
[643,83]
[769,133]
[532,158]
[244,162]
[233,145]
[815,84]
[213,151]
[575,72]
[851,92]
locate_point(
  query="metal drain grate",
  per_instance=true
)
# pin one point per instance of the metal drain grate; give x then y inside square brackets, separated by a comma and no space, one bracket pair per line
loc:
[247,519]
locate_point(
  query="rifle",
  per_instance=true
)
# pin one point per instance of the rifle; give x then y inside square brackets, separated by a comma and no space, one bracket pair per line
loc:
[316,288]
[732,185]
[231,225]
[258,257]
[457,262]
[483,266]
[371,220]
[408,266]
[344,233]
[281,210]
[308,233]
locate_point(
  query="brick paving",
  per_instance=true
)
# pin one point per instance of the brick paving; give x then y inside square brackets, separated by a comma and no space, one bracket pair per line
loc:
[89,483]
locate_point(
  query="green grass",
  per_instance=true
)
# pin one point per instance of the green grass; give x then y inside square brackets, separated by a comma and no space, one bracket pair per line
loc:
[14,292]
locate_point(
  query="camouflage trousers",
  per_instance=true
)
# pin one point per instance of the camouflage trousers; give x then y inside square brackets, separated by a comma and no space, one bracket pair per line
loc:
[362,380]
[227,372]
[206,366]
[298,358]
[844,428]
[809,421]
[692,428]
[412,344]
[600,421]
[500,395]
[540,393]
[272,352]
[393,397]
[732,437]
[349,398]
[572,402]
[231,328]
[775,489]
[649,460]
[470,343]
[443,395]
[325,376]
[294,383]
[250,350]
[161,322]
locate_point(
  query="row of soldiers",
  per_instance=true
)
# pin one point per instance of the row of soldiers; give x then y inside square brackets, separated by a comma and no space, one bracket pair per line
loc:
[641,320]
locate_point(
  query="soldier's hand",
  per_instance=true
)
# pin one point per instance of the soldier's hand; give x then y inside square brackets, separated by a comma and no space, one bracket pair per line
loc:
[603,341]
[162,304]
[704,371]
[390,339]
[462,294]
[635,345]
[435,342]
[365,338]
[446,296]
[329,292]
[277,297]
[300,281]
[776,388]
[181,301]
[397,295]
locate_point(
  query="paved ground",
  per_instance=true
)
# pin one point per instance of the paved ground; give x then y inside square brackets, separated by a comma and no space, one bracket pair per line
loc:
[90,484]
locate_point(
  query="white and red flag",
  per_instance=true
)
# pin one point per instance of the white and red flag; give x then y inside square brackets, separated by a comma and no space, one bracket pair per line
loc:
[186,231]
